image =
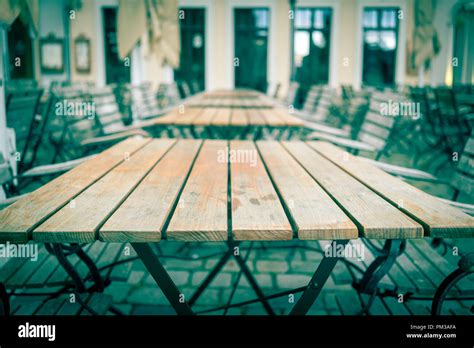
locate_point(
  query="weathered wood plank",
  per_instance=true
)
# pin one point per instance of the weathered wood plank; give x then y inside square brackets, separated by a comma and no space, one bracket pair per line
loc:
[201,213]
[272,118]
[79,221]
[205,117]
[142,216]
[223,117]
[315,214]
[254,118]
[188,116]
[375,216]
[239,117]
[439,219]
[289,119]
[257,213]
[17,220]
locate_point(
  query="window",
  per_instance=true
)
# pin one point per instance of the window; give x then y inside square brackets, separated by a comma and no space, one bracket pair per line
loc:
[311,45]
[192,57]
[251,45]
[380,35]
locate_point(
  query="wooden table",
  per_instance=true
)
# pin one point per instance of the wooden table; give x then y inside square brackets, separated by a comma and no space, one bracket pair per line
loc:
[231,122]
[144,190]
[229,114]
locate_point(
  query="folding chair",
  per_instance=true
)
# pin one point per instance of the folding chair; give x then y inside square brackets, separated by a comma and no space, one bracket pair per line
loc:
[376,135]
[25,117]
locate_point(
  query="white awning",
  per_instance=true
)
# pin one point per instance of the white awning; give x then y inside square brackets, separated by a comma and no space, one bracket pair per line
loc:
[156,22]
[26,9]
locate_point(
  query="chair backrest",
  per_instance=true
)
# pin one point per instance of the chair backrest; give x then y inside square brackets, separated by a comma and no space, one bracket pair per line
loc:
[23,109]
[276,92]
[186,91]
[145,103]
[347,92]
[446,101]
[168,94]
[311,98]
[292,92]
[195,87]
[376,128]
[464,175]
[80,117]
[107,109]
[324,103]
[18,85]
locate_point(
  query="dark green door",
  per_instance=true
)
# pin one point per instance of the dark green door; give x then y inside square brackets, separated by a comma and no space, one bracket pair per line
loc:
[192,58]
[20,51]
[251,46]
[116,70]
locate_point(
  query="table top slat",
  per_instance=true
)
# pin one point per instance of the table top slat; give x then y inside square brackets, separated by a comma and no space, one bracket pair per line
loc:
[171,116]
[315,214]
[239,117]
[376,217]
[222,118]
[80,220]
[441,219]
[201,212]
[257,213]
[205,117]
[188,116]
[254,117]
[272,117]
[290,120]
[142,216]
[17,220]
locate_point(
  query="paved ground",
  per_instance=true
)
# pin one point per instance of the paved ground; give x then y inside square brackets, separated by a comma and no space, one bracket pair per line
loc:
[282,266]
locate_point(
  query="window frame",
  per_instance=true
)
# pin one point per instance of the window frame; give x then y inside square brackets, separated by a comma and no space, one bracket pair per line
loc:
[379,28]
[327,30]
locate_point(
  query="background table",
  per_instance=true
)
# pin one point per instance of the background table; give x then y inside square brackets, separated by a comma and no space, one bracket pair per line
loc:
[238,114]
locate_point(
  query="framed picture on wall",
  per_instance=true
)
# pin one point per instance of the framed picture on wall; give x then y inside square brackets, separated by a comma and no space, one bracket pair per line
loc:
[52,55]
[82,48]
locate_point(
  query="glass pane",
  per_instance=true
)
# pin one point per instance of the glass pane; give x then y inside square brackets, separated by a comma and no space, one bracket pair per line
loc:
[303,19]
[389,19]
[318,21]
[261,18]
[318,39]
[301,46]
[370,18]
[388,40]
[250,47]
[371,38]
